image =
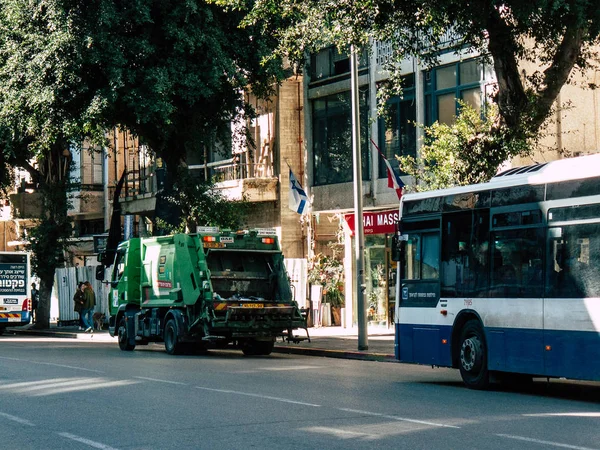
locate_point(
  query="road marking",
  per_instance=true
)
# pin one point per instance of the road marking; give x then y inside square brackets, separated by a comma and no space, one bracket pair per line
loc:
[161,381]
[51,364]
[266,397]
[86,387]
[53,384]
[571,414]
[290,368]
[32,383]
[86,441]
[17,419]
[539,441]
[341,434]
[400,419]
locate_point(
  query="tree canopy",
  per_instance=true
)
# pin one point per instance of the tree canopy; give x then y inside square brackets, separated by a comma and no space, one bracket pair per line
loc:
[172,72]
[554,37]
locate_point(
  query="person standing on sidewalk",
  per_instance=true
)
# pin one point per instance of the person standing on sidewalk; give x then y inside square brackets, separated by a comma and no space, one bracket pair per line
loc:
[89,301]
[35,300]
[78,299]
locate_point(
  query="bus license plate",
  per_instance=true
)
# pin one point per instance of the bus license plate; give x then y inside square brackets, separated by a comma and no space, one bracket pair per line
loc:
[253,305]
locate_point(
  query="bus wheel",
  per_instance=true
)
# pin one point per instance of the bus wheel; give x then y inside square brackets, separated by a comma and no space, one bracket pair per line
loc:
[124,343]
[473,356]
[172,344]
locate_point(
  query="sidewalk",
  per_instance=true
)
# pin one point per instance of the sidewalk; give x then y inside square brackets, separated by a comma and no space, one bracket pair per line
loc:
[332,342]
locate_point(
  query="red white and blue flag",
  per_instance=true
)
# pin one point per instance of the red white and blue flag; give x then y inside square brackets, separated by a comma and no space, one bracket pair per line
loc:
[298,197]
[394,180]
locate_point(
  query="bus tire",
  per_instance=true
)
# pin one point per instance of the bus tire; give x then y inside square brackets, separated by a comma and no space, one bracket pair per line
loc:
[124,341]
[473,356]
[172,344]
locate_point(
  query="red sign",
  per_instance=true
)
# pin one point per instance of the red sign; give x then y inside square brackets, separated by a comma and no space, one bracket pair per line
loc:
[380,222]
[165,284]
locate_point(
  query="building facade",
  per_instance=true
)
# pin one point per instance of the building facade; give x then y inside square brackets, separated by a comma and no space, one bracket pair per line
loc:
[429,95]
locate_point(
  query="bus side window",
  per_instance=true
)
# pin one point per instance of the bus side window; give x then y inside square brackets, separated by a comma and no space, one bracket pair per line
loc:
[574,261]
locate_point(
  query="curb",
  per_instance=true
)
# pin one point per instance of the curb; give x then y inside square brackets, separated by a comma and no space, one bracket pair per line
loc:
[341,354]
[57,334]
[284,349]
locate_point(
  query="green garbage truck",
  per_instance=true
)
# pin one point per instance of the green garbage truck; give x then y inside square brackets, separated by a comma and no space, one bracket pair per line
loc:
[196,291]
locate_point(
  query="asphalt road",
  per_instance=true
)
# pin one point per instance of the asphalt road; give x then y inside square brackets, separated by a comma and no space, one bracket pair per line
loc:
[69,394]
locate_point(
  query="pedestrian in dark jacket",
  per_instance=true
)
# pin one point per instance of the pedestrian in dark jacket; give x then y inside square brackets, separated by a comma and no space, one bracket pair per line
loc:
[89,301]
[35,300]
[78,301]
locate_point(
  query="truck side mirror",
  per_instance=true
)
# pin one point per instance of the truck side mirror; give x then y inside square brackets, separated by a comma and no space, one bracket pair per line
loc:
[100,272]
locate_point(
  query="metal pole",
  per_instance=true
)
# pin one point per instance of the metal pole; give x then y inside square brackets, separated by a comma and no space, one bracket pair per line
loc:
[359,240]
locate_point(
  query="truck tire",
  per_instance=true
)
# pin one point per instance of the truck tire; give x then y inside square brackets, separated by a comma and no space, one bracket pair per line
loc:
[124,342]
[172,344]
[1,331]
[473,356]
[255,348]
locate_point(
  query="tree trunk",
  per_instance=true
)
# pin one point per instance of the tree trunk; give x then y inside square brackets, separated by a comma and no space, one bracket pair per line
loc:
[43,310]
[48,239]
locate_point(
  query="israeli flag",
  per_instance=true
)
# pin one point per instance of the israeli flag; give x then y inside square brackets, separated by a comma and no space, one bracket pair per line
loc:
[298,198]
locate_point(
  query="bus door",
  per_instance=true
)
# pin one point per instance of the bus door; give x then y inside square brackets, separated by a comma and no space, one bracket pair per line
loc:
[572,303]
[418,333]
[514,313]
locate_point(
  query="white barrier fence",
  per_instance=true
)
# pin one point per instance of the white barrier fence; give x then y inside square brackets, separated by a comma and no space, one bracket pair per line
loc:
[65,287]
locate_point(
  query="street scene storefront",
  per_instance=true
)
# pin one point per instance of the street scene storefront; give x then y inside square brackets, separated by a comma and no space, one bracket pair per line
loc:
[380,270]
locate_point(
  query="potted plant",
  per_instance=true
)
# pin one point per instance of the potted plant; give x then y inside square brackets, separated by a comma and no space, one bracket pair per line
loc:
[328,271]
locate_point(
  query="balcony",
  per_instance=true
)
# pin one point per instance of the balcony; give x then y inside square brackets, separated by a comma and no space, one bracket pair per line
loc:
[26,205]
[252,182]
[236,181]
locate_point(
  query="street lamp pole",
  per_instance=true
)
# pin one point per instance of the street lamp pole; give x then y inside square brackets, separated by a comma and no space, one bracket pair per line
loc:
[359,242]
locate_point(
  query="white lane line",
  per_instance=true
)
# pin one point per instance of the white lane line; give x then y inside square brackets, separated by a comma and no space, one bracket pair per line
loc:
[53,384]
[266,397]
[161,381]
[51,364]
[400,419]
[17,419]
[86,441]
[571,414]
[290,368]
[88,387]
[539,441]
[33,383]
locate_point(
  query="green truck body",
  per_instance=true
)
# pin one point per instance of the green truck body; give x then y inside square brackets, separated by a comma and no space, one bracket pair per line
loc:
[201,290]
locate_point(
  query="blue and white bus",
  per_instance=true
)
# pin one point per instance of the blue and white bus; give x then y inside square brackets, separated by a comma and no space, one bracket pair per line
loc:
[504,276]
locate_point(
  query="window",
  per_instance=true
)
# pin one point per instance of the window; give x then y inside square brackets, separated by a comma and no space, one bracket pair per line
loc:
[398,134]
[444,85]
[574,261]
[332,139]
[422,256]
[329,62]
[517,263]
[465,260]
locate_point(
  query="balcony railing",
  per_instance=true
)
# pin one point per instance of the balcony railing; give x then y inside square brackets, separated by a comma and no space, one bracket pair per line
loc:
[147,180]
[233,171]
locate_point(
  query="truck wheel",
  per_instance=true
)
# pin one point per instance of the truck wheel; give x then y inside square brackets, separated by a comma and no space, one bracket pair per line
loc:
[124,343]
[253,348]
[265,347]
[473,356]
[172,344]
[1,331]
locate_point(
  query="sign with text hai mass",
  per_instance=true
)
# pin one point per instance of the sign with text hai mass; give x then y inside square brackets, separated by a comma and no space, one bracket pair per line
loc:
[375,222]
